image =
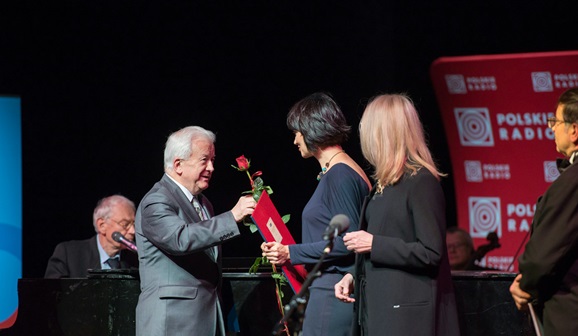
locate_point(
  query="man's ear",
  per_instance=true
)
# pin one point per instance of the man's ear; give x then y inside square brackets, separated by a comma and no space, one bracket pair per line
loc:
[573,133]
[100,225]
[178,166]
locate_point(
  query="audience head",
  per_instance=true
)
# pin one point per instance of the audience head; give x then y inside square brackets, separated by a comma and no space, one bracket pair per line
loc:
[565,124]
[114,213]
[319,120]
[189,157]
[460,248]
[392,139]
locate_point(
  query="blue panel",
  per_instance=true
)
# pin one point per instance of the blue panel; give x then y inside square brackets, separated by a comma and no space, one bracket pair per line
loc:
[10,205]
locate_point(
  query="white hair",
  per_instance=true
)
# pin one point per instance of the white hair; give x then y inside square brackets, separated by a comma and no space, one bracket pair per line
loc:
[179,143]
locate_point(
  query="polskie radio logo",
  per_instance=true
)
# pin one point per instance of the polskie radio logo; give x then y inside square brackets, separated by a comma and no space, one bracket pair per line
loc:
[474,126]
[485,216]
[458,84]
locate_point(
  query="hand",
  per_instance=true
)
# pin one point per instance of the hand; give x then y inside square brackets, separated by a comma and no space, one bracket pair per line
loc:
[358,241]
[277,254]
[521,298]
[344,288]
[244,207]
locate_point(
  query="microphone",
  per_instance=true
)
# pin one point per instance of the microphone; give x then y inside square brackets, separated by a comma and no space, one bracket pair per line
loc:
[339,223]
[119,238]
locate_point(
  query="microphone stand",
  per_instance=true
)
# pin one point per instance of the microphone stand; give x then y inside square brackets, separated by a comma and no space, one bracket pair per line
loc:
[298,300]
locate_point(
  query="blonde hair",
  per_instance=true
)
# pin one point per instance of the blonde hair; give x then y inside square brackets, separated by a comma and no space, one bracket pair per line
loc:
[392,139]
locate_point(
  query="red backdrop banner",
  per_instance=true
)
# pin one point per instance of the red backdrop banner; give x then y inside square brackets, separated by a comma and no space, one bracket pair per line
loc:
[494,110]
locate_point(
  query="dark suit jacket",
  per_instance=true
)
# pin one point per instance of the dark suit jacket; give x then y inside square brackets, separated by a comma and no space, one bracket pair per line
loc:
[73,259]
[180,279]
[404,286]
[549,264]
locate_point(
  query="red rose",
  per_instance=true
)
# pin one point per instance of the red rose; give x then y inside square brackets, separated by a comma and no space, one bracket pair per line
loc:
[243,163]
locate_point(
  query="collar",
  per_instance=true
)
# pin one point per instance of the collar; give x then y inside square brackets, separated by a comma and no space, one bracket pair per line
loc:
[102,254]
[185,190]
[563,163]
[573,157]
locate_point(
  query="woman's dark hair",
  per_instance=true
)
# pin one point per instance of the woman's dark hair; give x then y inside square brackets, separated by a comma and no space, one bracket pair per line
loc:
[320,121]
[570,101]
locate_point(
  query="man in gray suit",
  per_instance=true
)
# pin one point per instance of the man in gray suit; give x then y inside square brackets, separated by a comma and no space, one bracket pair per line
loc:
[179,241]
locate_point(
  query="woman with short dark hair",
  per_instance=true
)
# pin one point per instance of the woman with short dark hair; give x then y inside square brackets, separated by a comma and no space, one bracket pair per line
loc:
[320,128]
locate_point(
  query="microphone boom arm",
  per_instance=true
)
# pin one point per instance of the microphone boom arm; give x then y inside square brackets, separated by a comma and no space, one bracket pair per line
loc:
[299,298]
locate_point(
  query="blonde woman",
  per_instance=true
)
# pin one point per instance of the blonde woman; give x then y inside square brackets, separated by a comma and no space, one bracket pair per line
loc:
[402,275]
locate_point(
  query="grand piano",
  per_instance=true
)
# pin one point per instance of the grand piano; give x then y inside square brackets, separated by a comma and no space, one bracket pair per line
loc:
[104,304]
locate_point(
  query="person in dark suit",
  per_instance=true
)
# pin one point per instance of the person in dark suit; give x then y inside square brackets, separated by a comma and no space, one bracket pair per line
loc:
[73,259]
[179,240]
[402,275]
[548,278]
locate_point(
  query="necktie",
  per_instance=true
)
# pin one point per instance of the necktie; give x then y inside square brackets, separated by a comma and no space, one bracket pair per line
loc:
[198,209]
[213,251]
[114,263]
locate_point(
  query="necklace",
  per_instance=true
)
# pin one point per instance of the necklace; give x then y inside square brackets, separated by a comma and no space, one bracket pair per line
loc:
[379,188]
[324,169]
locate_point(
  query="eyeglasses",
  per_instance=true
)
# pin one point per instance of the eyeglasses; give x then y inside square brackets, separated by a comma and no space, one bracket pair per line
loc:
[552,121]
[124,223]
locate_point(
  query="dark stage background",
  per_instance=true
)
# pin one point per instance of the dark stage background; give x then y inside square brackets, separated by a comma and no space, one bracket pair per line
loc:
[104,82]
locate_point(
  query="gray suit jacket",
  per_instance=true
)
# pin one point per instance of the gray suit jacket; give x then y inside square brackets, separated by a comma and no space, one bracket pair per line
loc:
[180,279]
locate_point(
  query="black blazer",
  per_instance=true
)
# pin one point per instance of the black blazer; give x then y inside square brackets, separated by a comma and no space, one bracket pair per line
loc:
[549,264]
[403,286]
[73,259]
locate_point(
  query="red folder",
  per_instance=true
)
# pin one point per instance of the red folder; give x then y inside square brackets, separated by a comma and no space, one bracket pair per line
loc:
[273,229]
